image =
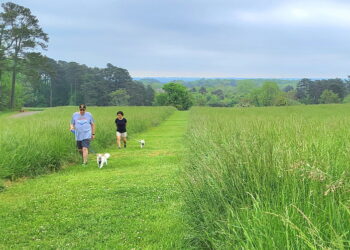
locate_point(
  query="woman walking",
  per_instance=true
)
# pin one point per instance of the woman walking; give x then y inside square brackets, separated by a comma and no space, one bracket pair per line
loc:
[121,128]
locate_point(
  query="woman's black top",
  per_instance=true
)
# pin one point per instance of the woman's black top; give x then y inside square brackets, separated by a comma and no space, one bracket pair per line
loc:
[121,125]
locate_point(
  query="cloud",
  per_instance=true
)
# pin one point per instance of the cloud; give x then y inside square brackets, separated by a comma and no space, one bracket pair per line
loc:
[300,14]
[252,38]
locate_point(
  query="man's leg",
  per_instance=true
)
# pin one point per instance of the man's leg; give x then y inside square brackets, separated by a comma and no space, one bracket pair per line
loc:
[85,155]
[80,148]
[86,145]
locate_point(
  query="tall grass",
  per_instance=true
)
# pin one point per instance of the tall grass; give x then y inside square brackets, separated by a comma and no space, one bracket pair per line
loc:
[41,143]
[269,178]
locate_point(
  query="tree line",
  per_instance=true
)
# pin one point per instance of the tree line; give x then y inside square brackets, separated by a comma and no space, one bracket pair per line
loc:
[28,78]
[69,83]
[322,91]
[246,93]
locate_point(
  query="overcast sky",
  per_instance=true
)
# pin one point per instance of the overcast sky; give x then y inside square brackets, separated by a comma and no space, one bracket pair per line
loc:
[201,38]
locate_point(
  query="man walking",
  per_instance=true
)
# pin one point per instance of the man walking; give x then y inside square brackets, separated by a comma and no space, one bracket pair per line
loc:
[83,125]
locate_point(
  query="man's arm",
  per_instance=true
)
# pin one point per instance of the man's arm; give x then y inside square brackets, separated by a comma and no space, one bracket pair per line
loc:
[93,128]
[72,124]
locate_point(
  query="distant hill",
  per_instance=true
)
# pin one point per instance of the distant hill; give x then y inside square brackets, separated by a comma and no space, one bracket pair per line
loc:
[191,82]
[167,79]
[191,79]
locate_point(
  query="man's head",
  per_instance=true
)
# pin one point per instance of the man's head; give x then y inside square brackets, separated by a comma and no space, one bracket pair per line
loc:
[82,108]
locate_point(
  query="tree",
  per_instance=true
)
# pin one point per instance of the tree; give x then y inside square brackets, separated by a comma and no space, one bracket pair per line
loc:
[328,96]
[149,96]
[137,93]
[309,92]
[38,72]
[177,95]
[161,99]
[25,33]
[269,93]
[245,87]
[346,99]
[199,99]
[254,98]
[219,93]
[337,86]
[5,44]
[2,50]
[119,97]
[280,100]
[302,90]
[75,77]
[202,90]
[288,88]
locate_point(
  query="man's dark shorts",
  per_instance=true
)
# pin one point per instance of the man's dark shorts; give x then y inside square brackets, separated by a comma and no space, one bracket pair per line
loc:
[83,144]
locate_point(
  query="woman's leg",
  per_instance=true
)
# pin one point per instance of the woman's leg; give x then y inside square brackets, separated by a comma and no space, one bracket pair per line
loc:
[118,141]
[124,140]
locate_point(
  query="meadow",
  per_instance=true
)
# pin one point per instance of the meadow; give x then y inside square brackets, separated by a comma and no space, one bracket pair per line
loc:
[210,178]
[42,143]
[132,203]
[268,178]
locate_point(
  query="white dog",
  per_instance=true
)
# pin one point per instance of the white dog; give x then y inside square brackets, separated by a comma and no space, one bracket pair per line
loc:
[142,143]
[102,159]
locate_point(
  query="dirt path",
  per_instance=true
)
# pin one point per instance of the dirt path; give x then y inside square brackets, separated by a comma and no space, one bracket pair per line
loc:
[22,114]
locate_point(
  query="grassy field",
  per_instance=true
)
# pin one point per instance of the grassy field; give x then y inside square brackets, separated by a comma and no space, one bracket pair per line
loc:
[250,178]
[133,203]
[269,178]
[42,143]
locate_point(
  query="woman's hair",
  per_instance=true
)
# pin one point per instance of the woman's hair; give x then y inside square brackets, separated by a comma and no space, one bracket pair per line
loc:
[120,112]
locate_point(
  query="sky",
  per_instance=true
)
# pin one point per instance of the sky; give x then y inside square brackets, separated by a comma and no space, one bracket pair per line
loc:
[201,38]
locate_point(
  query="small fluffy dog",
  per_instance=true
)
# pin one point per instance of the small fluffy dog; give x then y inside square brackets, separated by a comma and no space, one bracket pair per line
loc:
[142,143]
[102,159]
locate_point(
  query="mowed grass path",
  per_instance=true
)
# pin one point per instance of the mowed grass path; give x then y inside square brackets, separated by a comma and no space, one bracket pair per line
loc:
[133,203]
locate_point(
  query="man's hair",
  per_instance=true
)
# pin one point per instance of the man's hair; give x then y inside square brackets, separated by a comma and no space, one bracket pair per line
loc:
[120,112]
[82,106]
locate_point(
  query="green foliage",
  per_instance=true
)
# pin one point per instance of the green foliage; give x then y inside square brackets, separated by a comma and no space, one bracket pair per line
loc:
[346,99]
[23,34]
[288,88]
[231,92]
[309,92]
[268,178]
[119,97]
[153,83]
[175,95]
[291,102]
[149,96]
[245,87]
[61,83]
[328,96]
[161,99]
[199,99]
[268,94]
